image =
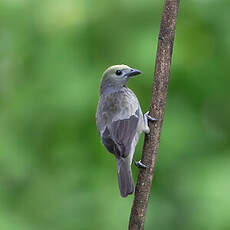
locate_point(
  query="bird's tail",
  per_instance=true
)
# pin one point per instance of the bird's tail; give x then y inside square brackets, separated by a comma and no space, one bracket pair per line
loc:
[125,178]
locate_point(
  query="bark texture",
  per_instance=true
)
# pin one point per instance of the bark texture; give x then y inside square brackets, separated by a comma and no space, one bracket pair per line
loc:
[157,109]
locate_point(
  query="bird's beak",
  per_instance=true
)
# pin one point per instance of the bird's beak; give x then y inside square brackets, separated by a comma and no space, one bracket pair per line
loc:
[133,72]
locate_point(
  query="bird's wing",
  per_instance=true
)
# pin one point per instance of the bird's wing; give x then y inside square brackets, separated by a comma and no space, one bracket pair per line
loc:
[117,118]
[118,136]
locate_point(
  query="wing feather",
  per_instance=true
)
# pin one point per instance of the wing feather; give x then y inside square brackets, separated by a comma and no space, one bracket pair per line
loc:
[119,136]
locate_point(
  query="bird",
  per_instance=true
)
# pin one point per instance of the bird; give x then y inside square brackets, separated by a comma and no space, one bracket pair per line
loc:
[120,122]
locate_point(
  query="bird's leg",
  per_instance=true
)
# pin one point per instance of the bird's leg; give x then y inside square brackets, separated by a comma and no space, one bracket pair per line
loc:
[146,118]
[139,164]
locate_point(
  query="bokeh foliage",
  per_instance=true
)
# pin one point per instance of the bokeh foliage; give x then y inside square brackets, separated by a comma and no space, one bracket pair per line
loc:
[54,171]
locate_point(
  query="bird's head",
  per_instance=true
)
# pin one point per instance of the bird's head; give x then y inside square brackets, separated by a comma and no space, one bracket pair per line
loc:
[116,77]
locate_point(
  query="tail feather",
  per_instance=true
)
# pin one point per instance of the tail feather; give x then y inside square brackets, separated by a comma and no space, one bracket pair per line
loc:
[125,178]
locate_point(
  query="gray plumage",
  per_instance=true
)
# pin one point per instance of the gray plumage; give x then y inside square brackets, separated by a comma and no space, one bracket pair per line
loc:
[120,121]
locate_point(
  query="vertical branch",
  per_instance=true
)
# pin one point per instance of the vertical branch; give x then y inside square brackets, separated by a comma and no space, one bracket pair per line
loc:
[157,109]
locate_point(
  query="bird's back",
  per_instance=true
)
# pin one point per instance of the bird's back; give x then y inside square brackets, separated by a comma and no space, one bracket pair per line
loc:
[116,106]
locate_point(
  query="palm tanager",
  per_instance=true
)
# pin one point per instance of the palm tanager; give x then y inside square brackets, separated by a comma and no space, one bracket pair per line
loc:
[120,121]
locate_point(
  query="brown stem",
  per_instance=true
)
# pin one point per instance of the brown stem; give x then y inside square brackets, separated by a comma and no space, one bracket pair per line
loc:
[157,109]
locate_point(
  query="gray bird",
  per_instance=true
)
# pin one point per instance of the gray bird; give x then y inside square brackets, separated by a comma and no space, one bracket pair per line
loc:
[120,121]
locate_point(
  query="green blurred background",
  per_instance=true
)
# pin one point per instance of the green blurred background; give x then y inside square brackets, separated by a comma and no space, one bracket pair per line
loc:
[54,172]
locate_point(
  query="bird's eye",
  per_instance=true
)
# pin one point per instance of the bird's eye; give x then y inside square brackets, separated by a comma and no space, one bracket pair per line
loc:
[118,72]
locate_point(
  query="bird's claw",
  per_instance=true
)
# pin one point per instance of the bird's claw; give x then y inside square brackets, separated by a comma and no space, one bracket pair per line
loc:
[151,118]
[139,164]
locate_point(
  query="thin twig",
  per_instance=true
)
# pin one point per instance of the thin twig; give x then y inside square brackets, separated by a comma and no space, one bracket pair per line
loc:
[157,109]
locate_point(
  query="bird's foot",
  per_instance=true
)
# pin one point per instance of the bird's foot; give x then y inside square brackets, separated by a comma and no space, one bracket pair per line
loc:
[139,164]
[150,118]
[146,118]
